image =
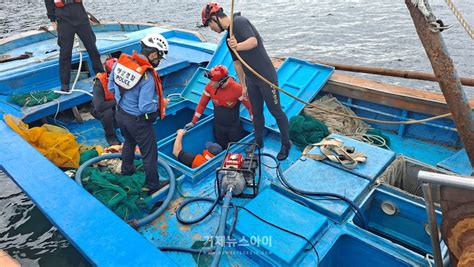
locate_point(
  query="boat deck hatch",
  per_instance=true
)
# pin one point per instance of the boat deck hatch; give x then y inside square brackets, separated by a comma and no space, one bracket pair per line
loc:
[275,246]
[377,158]
[458,163]
[195,142]
[315,176]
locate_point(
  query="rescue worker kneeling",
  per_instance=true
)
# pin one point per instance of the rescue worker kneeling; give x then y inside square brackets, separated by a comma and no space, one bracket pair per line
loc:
[135,84]
[192,160]
[226,95]
[103,103]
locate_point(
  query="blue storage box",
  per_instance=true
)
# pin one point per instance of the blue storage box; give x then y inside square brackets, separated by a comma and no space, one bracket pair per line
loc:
[274,246]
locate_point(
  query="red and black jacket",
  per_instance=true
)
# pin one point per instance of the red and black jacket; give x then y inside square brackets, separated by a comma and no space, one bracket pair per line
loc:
[226,102]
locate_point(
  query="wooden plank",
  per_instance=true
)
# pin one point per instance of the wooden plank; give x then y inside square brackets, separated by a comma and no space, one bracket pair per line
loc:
[389,95]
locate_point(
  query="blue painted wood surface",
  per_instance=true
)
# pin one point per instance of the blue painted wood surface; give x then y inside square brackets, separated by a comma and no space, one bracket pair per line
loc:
[281,247]
[458,163]
[102,237]
[377,158]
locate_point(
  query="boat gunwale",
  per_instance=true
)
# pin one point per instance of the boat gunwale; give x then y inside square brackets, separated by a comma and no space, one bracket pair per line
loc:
[29,33]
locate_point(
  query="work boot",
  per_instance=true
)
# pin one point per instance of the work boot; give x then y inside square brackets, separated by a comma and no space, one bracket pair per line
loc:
[284,152]
[151,191]
[65,87]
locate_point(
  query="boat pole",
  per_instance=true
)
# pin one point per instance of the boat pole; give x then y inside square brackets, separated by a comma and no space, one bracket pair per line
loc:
[407,74]
[429,31]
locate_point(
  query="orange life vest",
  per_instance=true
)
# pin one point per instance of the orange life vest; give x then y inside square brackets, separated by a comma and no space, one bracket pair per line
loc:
[103,77]
[200,159]
[62,3]
[129,71]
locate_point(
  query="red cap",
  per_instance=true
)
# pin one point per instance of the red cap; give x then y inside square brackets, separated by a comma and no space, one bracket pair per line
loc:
[209,10]
[109,63]
[217,73]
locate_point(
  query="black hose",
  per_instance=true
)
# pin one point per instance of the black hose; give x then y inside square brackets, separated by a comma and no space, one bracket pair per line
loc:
[189,250]
[200,218]
[207,213]
[282,179]
[285,230]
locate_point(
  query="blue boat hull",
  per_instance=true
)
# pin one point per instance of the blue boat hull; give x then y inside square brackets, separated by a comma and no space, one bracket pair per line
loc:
[339,235]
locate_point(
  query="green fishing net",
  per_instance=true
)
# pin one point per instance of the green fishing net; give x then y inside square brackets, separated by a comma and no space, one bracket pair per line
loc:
[122,194]
[33,98]
[305,130]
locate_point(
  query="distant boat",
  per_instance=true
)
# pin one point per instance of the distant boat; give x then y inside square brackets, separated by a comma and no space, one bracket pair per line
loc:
[392,228]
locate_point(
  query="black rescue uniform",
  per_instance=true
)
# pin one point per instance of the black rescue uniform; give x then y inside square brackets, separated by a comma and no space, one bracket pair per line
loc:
[258,90]
[72,19]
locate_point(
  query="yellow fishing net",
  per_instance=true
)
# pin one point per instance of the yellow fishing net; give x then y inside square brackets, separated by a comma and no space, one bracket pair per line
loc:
[55,143]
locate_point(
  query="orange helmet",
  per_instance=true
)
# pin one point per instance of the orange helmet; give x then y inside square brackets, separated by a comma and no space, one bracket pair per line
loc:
[217,73]
[109,63]
[209,10]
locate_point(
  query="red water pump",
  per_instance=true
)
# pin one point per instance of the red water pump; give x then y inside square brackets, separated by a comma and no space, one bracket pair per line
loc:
[233,160]
[239,171]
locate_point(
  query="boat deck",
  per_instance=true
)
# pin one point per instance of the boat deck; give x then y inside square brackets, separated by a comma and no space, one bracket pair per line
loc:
[341,236]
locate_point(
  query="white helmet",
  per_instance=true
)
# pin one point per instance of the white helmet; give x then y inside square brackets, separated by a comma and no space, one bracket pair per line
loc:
[156,40]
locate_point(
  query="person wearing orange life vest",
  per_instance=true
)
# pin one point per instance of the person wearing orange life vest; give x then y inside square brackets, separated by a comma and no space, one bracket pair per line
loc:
[136,85]
[69,17]
[193,160]
[226,95]
[103,103]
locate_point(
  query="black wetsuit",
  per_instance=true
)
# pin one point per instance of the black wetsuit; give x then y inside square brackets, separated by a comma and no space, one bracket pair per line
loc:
[258,91]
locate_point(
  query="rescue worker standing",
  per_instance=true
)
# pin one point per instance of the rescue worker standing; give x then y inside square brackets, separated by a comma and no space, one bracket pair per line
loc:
[226,95]
[249,45]
[103,103]
[69,17]
[135,84]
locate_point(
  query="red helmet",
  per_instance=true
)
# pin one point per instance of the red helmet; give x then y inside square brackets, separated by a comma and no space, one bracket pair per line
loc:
[109,63]
[217,73]
[209,10]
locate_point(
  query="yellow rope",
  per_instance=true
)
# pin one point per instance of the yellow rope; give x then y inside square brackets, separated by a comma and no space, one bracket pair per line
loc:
[460,18]
[231,34]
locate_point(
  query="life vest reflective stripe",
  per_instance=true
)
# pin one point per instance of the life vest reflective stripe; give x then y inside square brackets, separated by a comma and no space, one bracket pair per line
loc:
[207,155]
[103,77]
[62,3]
[129,71]
[201,159]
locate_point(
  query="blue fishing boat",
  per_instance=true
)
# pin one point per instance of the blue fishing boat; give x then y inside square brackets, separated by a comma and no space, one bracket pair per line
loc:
[299,212]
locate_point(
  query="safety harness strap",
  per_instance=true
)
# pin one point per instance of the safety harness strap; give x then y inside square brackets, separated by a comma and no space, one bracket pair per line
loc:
[334,150]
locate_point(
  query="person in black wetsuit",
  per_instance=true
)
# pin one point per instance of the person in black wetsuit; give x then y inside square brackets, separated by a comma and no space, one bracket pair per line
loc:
[249,45]
[69,17]
[103,103]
